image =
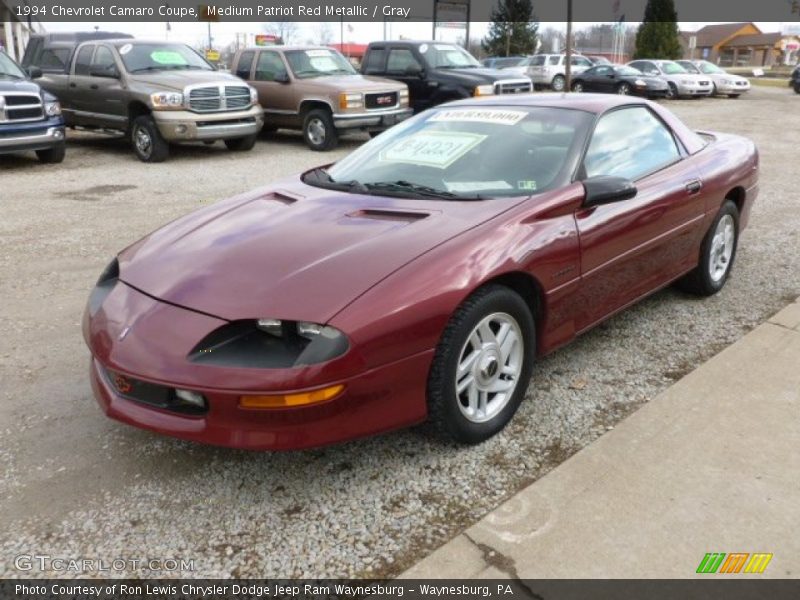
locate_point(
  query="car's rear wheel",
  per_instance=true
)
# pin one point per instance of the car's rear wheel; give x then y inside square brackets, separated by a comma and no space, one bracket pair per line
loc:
[242,144]
[624,89]
[482,365]
[672,91]
[717,254]
[733,95]
[319,131]
[52,155]
[797,87]
[577,87]
[558,83]
[146,140]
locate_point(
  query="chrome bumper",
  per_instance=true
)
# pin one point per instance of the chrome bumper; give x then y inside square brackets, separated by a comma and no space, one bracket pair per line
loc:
[51,135]
[376,120]
[185,126]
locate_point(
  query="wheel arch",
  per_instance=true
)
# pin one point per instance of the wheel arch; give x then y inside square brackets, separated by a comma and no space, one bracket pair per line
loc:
[524,284]
[137,109]
[737,196]
[309,104]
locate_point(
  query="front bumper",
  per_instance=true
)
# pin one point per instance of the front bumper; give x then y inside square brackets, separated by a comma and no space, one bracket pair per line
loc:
[39,135]
[691,89]
[187,126]
[139,337]
[732,88]
[372,120]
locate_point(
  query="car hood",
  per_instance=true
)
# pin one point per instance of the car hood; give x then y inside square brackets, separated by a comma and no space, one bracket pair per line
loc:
[292,251]
[178,80]
[479,74]
[18,85]
[344,83]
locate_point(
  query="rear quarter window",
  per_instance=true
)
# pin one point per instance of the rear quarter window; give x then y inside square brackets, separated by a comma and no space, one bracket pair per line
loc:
[376,58]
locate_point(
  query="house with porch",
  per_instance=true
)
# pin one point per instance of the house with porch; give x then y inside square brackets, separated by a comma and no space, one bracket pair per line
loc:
[740,45]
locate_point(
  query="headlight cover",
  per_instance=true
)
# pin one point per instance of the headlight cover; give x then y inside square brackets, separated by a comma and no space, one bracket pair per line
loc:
[350,101]
[639,83]
[483,90]
[52,109]
[105,283]
[167,100]
[270,344]
[253,95]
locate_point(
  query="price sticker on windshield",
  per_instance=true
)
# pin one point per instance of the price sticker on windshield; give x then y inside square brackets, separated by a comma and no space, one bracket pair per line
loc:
[486,115]
[437,149]
[167,57]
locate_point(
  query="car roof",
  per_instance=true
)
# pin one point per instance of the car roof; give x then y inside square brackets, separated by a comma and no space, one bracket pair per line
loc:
[593,103]
[287,48]
[80,36]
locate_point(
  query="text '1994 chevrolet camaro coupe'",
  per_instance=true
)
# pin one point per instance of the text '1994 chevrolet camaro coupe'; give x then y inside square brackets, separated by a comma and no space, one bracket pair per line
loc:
[417,279]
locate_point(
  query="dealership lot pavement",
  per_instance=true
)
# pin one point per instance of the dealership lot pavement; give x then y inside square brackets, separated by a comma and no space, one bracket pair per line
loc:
[75,485]
[708,466]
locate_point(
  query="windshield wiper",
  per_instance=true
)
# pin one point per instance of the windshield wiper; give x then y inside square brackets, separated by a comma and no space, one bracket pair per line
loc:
[416,189]
[322,179]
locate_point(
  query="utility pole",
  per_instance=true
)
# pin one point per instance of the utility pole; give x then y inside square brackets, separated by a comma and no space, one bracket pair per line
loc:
[568,66]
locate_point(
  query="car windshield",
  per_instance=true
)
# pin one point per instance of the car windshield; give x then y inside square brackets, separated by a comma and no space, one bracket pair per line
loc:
[690,68]
[465,153]
[710,68]
[627,71]
[160,57]
[447,56]
[318,62]
[9,69]
[671,68]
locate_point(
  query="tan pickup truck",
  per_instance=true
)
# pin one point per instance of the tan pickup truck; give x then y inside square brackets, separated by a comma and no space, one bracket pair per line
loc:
[317,90]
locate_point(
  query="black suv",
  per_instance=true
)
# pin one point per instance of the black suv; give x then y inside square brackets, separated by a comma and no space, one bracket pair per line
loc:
[437,72]
[795,81]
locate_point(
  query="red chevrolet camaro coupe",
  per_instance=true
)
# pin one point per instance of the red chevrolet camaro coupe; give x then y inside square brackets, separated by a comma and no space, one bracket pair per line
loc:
[417,279]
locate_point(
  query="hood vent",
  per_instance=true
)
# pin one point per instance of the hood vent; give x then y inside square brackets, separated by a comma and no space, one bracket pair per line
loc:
[282,197]
[388,215]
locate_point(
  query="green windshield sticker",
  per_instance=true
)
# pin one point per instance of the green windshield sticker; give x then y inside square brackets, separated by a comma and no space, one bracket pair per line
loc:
[168,57]
[437,149]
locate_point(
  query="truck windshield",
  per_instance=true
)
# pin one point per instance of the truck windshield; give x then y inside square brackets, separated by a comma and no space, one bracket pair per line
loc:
[318,62]
[9,69]
[158,57]
[447,56]
[465,153]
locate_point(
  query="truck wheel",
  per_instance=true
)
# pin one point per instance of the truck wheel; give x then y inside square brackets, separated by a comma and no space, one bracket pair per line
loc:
[318,130]
[146,140]
[242,144]
[52,155]
[558,83]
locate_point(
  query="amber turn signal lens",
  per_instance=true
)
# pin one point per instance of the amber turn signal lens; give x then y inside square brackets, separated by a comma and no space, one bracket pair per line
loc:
[287,400]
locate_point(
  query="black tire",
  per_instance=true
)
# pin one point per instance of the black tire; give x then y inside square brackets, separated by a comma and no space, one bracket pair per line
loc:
[52,155]
[624,89]
[149,147]
[714,91]
[699,281]
[374,134]
[797,87]
[269,129]
[733,95]
[672,91]
[318,130]
[577,87]
[444,412]
[242,144]
[558,83]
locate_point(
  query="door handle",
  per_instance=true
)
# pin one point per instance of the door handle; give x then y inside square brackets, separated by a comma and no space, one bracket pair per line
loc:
[94,86]
[694,186]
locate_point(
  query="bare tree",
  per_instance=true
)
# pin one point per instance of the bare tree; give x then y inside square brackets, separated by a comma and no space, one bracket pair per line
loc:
[553,40]
[323,33]
[283,29]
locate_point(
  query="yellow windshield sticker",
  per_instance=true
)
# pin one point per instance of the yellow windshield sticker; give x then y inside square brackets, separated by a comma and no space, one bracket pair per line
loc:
[168,57]
[477,115]
[437,149]
[528,185]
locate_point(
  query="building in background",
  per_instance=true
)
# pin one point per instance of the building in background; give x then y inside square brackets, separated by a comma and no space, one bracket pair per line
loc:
[15,32]
[740,45]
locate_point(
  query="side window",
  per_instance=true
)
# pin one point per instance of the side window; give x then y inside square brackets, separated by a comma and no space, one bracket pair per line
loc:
[54,59]
[579,61]
[554,60]
[83,60]
[400,59]
[629,142]
[269,66]
[602,71]
[648,67]
[375,61]
[244,65]
[103,59]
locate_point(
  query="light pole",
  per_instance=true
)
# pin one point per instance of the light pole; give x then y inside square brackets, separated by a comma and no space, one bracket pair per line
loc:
[568,59]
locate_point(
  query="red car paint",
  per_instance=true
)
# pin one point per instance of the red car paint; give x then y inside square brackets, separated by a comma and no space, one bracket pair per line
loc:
[389,273]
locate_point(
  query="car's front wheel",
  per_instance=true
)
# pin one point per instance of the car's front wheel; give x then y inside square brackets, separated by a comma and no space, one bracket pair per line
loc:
[577,87]
[558,83]
[146,140]
[319,131]
[624,89]
[717,254]
[672,91]
[52,155]
[242,144]
[482,365]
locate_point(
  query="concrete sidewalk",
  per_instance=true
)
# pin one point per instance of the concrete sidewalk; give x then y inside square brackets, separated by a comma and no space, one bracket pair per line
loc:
[710,465]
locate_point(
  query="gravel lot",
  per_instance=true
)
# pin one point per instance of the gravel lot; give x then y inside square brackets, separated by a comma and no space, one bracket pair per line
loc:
[75,484]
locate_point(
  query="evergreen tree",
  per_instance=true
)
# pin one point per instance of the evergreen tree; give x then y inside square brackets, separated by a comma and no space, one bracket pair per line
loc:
[513,29]
[657,36]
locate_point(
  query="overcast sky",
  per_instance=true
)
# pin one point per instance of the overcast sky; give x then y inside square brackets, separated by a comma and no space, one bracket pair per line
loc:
[225,32]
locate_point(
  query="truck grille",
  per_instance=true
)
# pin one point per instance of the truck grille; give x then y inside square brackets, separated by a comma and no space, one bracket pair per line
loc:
[381,100]
[19,108]
[515,86]
[219,98]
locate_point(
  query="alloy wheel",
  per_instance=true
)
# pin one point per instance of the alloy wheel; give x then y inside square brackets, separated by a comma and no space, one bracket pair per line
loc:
[722,245]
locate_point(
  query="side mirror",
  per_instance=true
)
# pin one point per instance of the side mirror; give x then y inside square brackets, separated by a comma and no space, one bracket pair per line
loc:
[109,72]
[282,77]
[414,71]
[34,72]
[605,189]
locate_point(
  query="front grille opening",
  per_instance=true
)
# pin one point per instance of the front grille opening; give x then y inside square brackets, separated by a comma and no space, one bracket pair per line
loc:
[152,394]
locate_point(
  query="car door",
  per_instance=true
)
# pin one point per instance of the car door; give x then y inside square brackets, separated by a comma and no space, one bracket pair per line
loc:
[76,101]
[106,95]
[631,247]
[275,90]
[402,65]
[601,78]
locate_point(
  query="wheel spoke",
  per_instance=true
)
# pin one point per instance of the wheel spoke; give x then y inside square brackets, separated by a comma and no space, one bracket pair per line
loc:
[486,334]
[469,380]
[508,345]
[502,385]
[483,401]
[466,364]
[472,398]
